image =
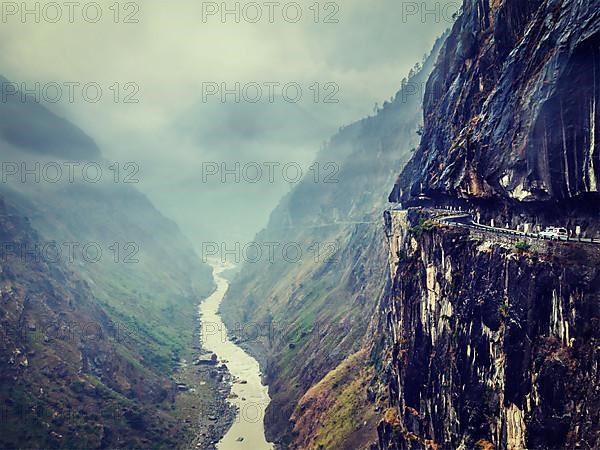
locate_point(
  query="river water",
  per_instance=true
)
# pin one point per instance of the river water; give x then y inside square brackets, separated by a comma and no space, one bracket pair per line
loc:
[247,431]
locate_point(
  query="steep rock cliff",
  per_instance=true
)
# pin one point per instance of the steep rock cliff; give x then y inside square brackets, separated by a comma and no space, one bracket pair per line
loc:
[511,109]
[487,346]
[485,343]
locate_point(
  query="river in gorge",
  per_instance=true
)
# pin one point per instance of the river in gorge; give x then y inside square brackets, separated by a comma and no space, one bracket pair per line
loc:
[251,397]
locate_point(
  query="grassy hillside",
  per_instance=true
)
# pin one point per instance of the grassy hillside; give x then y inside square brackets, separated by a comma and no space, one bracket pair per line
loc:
[336,412]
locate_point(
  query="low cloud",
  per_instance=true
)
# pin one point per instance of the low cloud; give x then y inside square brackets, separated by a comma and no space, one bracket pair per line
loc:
[170,53]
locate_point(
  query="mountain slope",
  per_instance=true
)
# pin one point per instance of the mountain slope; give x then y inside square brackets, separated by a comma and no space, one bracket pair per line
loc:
[138,298]
[69,375]
[310,313]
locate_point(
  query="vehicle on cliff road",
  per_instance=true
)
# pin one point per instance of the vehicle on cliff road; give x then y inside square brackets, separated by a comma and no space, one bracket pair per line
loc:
[555,233]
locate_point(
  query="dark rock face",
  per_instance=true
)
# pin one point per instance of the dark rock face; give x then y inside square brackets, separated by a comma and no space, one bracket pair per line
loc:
[511,110]
[488,347]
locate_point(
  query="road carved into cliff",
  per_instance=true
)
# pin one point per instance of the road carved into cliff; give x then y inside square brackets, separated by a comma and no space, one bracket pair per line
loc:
[465,220]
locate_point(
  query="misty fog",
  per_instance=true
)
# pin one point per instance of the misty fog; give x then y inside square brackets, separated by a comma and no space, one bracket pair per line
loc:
[176,133]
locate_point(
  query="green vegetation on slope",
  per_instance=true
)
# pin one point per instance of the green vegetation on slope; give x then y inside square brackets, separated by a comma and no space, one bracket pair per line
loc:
[336,413]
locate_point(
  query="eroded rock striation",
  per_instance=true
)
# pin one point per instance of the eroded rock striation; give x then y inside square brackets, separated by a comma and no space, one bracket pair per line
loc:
[487,343]
[511,109]
[488,346]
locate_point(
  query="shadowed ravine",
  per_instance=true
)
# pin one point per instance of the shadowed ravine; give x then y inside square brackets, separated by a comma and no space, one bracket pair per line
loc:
[249,394]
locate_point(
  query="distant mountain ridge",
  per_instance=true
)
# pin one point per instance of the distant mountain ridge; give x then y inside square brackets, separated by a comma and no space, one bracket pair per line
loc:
[28,125]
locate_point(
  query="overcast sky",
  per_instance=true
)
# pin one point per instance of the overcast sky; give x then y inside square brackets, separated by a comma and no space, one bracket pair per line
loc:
[171,52]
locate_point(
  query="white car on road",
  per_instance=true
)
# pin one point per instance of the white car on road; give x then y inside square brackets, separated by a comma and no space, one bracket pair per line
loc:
[555,233]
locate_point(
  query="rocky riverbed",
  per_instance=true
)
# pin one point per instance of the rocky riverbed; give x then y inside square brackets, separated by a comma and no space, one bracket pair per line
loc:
[245,392]
[202,402]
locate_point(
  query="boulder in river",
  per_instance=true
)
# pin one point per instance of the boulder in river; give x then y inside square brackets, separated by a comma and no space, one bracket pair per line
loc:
[207,360]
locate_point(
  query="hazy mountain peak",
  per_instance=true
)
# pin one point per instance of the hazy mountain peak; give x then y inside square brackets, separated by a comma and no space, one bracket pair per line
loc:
[31,127]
